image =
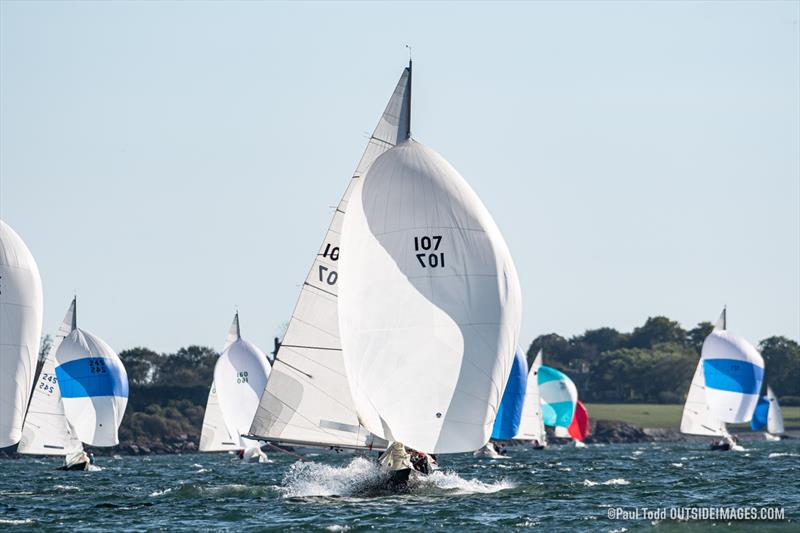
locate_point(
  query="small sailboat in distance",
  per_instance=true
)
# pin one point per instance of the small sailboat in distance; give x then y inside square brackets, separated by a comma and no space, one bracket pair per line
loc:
[307,401]
[46,430]
[725,386]
[579,427]
[20,331]
[429,305]
[531,425]
[767,417]
[559,397]
[240,377]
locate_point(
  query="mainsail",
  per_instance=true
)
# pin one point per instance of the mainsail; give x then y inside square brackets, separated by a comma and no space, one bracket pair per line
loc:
[307,399]
[94,387]
[46,431]
[240,377]
[20,331]
[531,425]
[214,436]
[429,304]
[559,397]
[506,424]
[697,418]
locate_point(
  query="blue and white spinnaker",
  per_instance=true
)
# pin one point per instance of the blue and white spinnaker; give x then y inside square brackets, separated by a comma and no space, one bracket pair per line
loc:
[559,396]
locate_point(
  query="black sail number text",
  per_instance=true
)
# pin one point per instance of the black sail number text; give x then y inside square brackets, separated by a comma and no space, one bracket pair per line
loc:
[427,251]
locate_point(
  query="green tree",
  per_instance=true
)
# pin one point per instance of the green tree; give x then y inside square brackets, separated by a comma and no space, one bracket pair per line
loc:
[141,364]
[697,335]
[782,365]
[656,330]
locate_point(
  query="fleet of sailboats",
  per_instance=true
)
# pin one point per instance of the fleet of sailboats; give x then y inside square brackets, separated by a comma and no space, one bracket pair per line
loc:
[404,340]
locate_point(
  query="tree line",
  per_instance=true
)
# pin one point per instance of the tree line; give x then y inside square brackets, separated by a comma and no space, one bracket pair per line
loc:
[655,362]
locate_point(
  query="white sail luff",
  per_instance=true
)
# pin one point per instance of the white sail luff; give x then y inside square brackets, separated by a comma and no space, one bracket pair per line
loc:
[307,399]
[46,430]
[20,331]
[697,418]
[214,436]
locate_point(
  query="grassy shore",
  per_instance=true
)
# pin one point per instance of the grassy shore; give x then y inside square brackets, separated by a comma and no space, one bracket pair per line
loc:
[662,415]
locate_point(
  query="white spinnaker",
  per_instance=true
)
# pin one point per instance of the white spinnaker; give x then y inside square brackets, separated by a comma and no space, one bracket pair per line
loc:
[307,399]
[95,417]
[20,331]
[240,377]
[214,436]
[46,431]
[774,416]
[429,304]
[697,418]
[736,354]
[531,424]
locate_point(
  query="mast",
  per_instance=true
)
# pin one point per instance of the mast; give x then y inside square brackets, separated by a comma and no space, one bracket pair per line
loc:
[74,322]
[408,95]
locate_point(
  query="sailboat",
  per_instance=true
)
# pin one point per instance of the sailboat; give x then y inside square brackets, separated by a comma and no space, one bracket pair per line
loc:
[767,417]
[307,401]
[725,386]
[20,331]
[559,398]
[509,415]
[531,425]
[81,396]
[240,377]
[429,306]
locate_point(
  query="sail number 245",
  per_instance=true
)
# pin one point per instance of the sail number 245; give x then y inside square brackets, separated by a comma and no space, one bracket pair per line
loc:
[426,247]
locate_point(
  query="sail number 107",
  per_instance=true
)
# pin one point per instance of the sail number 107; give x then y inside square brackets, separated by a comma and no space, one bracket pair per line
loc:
[426,247]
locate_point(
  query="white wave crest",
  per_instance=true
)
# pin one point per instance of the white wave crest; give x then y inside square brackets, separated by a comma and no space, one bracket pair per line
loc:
[617,481]
[12,522]
[783,454]
[363,477]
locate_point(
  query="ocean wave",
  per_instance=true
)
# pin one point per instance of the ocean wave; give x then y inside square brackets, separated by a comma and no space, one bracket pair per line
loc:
[12,522]
[783,454]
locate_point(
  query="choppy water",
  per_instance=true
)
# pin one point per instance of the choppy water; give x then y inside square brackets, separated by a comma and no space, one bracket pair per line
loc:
[558,489]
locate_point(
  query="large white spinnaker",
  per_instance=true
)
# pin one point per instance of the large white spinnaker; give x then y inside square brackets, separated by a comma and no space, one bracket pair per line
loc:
[774,416]
[46,431]
[240,377]
[429,304]
[20,331]
[94,387]
[307,399]
[214,435]
[531,425]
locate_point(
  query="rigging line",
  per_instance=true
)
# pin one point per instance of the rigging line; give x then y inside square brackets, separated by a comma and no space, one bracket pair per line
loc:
[309,376]
[311,347]
[320,289]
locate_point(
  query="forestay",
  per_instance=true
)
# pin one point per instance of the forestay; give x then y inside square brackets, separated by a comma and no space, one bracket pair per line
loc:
[531,425]
[20,331]
[429,304]
[240,377]
[307,399]
[559,397]
[46,431]
[506,424]
[94,387]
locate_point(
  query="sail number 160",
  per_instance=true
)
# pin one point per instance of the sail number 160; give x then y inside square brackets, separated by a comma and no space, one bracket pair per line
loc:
[427,246]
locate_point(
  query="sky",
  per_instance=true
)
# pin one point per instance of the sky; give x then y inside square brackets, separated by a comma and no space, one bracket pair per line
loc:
[170,161]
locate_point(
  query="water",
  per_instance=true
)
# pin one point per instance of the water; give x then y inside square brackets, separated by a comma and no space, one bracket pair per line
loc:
[558,489]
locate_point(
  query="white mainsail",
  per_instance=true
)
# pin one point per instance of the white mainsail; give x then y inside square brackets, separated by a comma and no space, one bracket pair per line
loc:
[429,304]
[20,331]
[774,416]
[307,399]
[46,431]
[531,425]
[697,418]
[94,387]
[240,377]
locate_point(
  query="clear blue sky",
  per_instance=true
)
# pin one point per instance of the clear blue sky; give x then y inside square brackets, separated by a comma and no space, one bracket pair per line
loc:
[172,160]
